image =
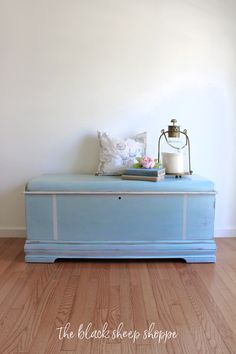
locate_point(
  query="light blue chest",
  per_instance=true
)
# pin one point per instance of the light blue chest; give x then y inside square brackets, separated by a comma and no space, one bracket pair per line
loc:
[85,216]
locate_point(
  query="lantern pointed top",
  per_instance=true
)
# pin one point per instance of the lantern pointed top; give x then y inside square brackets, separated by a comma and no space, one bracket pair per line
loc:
[174,121]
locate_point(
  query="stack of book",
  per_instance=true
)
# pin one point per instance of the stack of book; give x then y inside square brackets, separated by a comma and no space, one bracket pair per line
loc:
[144,174]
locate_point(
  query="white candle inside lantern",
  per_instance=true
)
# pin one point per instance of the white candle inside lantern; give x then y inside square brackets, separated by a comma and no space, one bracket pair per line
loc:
[173,162]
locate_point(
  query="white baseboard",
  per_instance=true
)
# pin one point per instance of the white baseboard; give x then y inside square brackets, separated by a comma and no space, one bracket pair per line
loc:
[12,232]
[21,232]
[225,232]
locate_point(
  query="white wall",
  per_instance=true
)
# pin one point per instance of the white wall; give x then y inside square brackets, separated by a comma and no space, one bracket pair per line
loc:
[70,67]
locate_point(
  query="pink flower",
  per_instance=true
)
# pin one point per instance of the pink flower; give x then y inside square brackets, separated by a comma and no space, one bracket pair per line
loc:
[147,162]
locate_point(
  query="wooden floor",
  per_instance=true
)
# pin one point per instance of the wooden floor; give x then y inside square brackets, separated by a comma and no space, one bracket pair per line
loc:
[197,301]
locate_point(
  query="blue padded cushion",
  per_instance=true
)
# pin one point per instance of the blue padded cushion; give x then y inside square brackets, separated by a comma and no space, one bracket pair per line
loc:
[91,183]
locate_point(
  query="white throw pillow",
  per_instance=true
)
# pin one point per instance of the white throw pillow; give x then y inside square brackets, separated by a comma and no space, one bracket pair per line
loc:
[116,155]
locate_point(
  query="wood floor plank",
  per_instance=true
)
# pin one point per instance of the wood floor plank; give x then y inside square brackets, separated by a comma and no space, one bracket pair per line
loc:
[229,242]
[225,251]
[12,248]
[126,308]
[113,348]
[15,288]
[101,272]
[137,299]
[50,305]
[113,315]
[63,315]
[4,244]
[165,320]
[26,326]
[114,291]
[107,304]
[148,296]
[231,274]
[147,349]
[89,315]
[211,331]
[228,283]
[216,307]
[188,325]
[220,293]
[78,313]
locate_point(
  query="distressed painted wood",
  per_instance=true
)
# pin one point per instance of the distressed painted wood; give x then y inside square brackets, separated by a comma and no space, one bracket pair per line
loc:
[190,251]
[106,217]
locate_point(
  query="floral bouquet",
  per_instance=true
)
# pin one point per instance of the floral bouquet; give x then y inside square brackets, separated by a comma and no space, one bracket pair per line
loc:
[146,162]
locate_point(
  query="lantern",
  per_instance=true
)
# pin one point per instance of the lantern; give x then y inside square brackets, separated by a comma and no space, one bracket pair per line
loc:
[176,155]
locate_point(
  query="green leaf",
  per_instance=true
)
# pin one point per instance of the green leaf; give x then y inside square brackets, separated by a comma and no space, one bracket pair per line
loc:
[158,165]
[136,165]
